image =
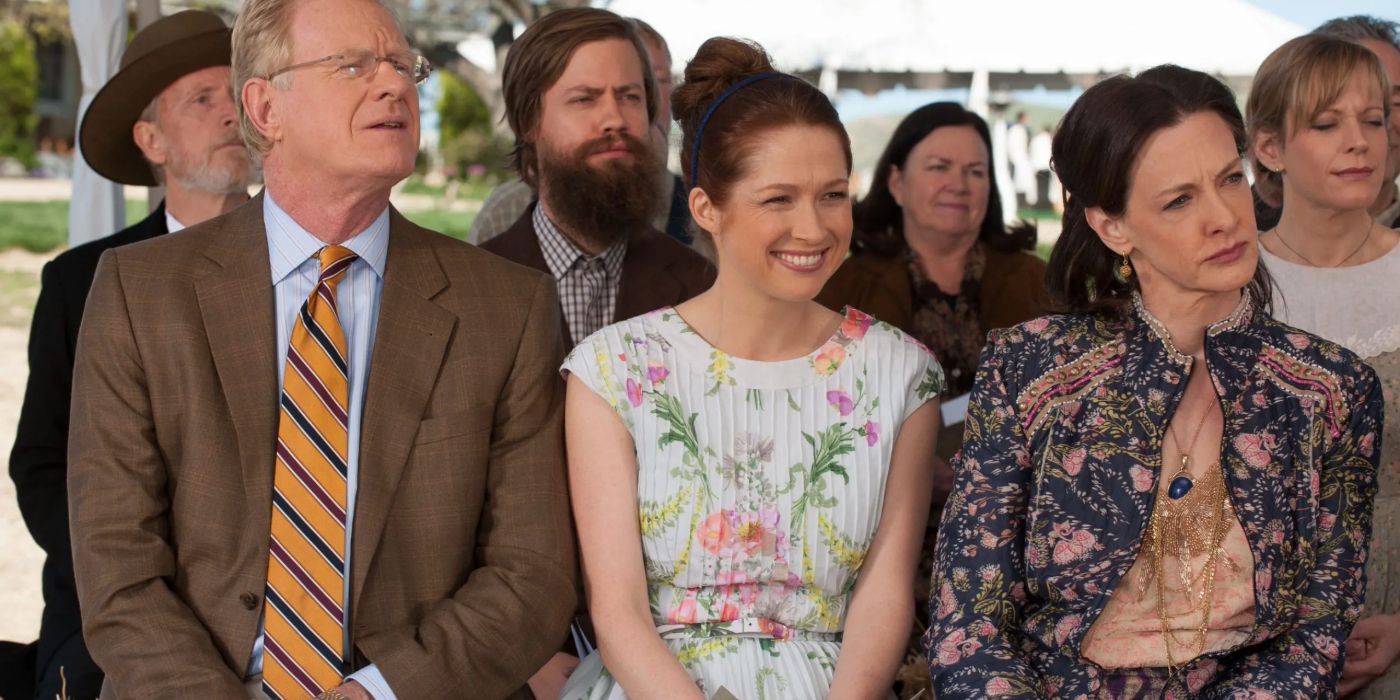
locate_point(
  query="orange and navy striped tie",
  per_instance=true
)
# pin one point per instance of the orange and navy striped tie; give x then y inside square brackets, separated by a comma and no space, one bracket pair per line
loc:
[304,646]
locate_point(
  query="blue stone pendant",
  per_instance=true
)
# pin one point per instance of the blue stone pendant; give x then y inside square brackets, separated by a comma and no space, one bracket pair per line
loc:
[1180,486]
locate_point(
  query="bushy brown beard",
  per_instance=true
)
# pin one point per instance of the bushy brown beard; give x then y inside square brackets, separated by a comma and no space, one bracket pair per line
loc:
[601,204]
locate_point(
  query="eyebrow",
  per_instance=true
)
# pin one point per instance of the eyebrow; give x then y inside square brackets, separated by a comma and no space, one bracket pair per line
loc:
[1234,164]
[946,159]
[595,90]
[838,182]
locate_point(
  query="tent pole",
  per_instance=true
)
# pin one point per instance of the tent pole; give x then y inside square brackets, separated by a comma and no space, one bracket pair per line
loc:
[148,11]
[95,208]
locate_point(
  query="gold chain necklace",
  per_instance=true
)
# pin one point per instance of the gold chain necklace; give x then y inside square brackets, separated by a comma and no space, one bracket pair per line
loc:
[1162,527]
[1370,226]
[1181,481]
[1191,521]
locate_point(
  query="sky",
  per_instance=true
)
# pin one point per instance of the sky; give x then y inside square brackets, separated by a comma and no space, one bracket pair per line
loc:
[1311,13]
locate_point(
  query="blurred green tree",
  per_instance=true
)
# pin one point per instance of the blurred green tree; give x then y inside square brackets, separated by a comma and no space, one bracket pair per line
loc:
[469,143]
[19,87]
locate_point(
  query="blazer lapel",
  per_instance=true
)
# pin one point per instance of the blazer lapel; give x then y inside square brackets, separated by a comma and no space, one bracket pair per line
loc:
[237,305]
[409,347]
[519,244]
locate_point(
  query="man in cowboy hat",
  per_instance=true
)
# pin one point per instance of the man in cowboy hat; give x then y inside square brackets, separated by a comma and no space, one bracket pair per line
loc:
[166,117]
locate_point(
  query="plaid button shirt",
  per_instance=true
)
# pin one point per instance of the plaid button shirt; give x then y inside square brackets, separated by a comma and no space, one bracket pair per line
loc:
[587,284]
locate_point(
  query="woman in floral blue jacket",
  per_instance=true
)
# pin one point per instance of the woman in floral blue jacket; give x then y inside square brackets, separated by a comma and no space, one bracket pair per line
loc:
[1163,492]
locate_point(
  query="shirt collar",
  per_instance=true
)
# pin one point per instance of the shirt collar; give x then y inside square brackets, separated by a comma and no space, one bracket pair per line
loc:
[560,253]
[172,224]
[290,245]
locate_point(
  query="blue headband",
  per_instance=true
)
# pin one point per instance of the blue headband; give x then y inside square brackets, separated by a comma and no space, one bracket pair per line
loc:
[700,132]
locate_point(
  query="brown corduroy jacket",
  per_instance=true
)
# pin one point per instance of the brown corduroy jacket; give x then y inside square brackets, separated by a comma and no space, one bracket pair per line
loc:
[462,564]
[1013,289]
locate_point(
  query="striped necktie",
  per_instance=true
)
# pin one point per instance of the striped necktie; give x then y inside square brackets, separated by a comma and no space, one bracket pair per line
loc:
[304,618]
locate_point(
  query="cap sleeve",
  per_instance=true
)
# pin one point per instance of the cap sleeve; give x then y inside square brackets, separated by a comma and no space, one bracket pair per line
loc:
[923,378]
[594,361]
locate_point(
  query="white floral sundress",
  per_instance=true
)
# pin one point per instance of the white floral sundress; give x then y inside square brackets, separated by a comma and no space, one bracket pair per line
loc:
[760,487]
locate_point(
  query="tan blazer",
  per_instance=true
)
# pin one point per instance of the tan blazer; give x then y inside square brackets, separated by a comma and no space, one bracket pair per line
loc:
[462,555]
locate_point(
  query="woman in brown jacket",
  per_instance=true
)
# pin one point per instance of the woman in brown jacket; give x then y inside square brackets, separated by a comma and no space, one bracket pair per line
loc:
[932,256]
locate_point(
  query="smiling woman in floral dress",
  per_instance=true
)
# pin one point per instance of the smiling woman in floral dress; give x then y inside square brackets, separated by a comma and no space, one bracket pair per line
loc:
[751,471]
[1164,492]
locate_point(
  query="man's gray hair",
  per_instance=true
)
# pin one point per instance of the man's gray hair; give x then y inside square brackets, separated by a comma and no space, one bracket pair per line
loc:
[1359,27]
[262,43]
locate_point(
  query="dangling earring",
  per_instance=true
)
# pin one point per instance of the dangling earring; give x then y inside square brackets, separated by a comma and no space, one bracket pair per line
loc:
[1125,271]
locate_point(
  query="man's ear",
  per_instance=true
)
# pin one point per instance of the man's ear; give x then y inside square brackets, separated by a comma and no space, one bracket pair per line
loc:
[261,104]
[148,138]
[705,212]
[1109,229]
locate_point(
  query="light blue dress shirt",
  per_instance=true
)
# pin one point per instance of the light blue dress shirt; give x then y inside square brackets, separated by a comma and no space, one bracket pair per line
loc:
[295,271]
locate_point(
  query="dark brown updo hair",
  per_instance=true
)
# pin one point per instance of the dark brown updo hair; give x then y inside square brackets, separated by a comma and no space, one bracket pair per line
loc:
[1094,153]
[741,120]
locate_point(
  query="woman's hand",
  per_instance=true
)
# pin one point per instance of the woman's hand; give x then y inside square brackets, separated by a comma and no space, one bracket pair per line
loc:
[1372,647]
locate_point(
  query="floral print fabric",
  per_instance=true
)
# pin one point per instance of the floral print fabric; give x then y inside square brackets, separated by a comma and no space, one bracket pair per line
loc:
[760,486]
[1056,482]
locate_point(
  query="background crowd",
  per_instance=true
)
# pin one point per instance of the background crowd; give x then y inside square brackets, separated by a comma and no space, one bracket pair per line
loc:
[308,448]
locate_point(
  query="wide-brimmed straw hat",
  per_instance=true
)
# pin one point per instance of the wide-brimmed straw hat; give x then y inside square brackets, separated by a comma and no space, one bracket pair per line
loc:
[169,49]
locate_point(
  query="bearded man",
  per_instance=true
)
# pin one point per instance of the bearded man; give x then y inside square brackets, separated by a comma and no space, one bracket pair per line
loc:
[167,117]
[580,96]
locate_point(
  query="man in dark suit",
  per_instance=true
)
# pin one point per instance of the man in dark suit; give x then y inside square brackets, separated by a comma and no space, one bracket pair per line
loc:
[580,96]
[316,449]
[166,117]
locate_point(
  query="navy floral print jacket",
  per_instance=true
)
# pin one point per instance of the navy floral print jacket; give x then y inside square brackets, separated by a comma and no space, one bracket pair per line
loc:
[1057,478]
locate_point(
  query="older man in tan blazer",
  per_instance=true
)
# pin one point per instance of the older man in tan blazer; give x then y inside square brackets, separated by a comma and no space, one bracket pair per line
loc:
[316,449]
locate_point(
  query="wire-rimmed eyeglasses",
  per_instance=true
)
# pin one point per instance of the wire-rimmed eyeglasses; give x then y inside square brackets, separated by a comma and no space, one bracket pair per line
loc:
[362,63]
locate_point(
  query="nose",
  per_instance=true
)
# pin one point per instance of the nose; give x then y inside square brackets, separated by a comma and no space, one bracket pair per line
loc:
[388,84]
[610,116]
[808,227]
[959,182]
[1220,216]
[228,111]
[1355,136]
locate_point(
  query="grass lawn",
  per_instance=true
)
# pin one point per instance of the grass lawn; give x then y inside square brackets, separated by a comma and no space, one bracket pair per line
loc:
[18,291]
[40,227]
[1037,215]
[471,189]
[452,223]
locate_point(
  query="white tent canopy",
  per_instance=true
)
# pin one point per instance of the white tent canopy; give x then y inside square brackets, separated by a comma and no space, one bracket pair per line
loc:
[99,31]
[986,46]
[877,44]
